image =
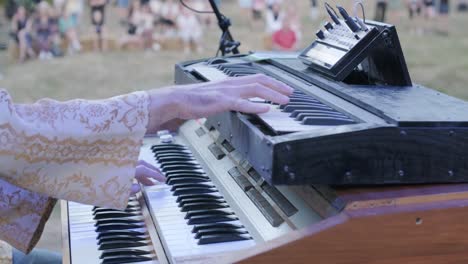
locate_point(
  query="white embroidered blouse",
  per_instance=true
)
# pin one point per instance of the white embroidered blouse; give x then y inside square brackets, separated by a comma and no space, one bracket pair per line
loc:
[80,150]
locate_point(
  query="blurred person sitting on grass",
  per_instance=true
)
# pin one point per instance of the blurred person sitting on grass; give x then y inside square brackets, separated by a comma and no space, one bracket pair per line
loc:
[381,10]
[21,33]
[203,5]
[45,29]
[444,11]
[414,12]
[285,39]
[68,24]
[168,18]
[98,9]
[146,26]
[414,8]
[87,150]
[190,30]
[258,7]
[274,18]
[140,26]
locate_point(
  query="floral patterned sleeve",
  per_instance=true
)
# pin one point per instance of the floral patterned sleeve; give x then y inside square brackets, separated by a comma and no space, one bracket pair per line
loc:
[80,150]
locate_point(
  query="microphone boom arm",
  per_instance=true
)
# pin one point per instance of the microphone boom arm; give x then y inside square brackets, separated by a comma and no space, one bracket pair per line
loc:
[227,43]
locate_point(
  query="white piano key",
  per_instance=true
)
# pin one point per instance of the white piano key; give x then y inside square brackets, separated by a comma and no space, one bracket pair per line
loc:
[176,232]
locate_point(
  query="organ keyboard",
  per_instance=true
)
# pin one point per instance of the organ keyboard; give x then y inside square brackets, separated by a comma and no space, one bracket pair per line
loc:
[216,208]
[317,179]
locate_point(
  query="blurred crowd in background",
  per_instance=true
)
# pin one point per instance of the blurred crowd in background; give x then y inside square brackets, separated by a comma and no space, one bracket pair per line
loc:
[47,29]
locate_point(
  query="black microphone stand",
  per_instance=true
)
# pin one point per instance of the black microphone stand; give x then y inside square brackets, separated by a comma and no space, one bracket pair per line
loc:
[227,44]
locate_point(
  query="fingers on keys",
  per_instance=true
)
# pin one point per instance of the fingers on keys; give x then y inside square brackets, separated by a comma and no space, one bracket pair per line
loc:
[146,173]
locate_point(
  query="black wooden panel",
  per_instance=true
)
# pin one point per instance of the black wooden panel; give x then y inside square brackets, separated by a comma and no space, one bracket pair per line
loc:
[375,156]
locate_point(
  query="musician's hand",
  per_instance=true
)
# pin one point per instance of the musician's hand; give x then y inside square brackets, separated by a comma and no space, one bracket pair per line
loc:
[146,174]
[232,94]
[172,125]
[206,99]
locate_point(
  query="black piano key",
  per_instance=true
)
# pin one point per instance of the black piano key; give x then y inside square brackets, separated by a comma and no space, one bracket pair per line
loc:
[168,146]
[174,158]
[179,163]
[194,190]
[180,167]
[209,218]
[122,238]
[181,153]
[219,231]
[164,147]
[172,167]
[290,108]
[210,239]
[191,185]
[185,180]
[118,221]
[109,227]
[187,176]
[298,113]
[125,259]
[176,170]
[304,100]
[216,225]
[242,71]
[191,214]
[121,244]
[326,121]
[302,117]
[130,205]
[127,210]
[122,252]
[203,206]
[117,214]
[301,94]
[187,173]
[164,154]
[197,196]
[182,172]
[111,233]
[201,200]
[182,149]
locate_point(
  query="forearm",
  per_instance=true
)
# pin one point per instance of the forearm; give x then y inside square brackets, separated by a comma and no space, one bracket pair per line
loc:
[164,106]
[80,150]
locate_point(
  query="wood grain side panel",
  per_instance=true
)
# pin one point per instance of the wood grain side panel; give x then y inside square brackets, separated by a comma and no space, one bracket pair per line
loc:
[384,238]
